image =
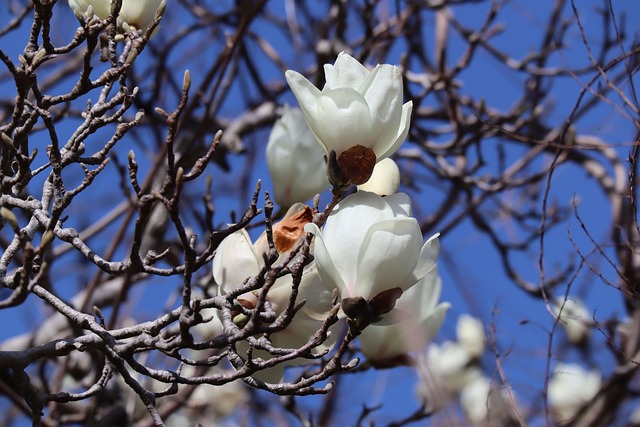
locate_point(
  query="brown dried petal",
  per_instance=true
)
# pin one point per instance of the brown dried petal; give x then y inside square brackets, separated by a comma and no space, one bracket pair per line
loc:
[287,232]
[357,163]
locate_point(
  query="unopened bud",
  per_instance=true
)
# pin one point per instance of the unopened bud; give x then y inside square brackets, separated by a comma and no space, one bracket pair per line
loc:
[180,177]
[6,140]
[131,57]
[9,217]
[39,56]
[139,115]
[384,180]
[47,238]
[186,80]
[161,9]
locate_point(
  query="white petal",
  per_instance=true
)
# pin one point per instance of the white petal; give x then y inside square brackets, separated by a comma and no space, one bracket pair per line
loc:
[380,343]
[295,160]
[383,94]
[388,255]
[307,95]
[347,226]
[422,298]
[383,342]
[570,388]
[235,261]
[403,131]
[428,257]
[342,120]
[470,333]
[346,72]
[432,324]
[400,203]
[318,297]
[324,262]
[139,14]
[474,399]
[101,8]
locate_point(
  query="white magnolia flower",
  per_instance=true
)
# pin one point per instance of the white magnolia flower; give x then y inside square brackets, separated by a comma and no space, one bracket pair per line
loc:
[486,405]
[355,108]
[470,334]
[574,318]
[138,14]
[570,388]
[370,245]
[417,318]
[236,260]
[450,364]
[384,180]
[295,160]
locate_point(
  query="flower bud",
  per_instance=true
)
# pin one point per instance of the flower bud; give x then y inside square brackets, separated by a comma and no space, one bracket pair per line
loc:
[384,180]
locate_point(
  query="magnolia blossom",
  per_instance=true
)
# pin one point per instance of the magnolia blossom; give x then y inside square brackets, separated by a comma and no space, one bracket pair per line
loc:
[450,364]
[570,388]
[574,319]
[417,318]
[358,114]
[486,405]
[384,180]
[138,14]
[370,245]
[295,160]
[470,334]
[237,260]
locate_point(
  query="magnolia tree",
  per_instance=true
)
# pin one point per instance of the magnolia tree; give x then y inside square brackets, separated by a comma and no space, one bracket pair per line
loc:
[219,213]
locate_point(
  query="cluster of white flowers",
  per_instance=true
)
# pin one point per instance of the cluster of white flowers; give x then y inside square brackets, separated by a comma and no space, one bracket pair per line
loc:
[370,249]
[452,370]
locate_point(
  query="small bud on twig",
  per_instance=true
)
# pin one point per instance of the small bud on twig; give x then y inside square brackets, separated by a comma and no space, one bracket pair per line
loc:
[9,217]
